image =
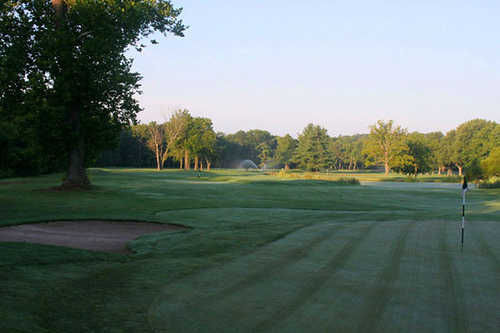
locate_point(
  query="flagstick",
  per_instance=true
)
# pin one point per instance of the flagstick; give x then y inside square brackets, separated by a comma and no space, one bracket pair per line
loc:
[464,189]
[463,217]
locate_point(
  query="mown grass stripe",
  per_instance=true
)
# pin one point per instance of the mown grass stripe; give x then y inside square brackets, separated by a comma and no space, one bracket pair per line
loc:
[321,277]
[276,266]
[267,263]
[486,250]
[384,285]
[453,302]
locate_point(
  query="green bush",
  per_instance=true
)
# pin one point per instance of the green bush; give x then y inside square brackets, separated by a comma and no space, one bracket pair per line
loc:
[317,176]
[347,181]
[492,182]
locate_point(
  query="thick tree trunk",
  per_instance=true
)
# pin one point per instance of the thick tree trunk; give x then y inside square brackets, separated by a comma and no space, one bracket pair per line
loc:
[186,160]
[460,170]
[196,160]
[386,168]
[180,163]
[60,9]
[76,175]
[439,171]
[449,172]
[201,165]
[208,165]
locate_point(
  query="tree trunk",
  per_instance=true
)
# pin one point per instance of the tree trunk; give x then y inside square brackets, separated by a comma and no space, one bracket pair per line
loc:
[201,164]
[386,167]
[164,157]
[439,171]
[60,9]
[76,175]
[158,163]
[180,163]
[186,160]
[460,169]
[386,163]
[196,160]
[449,172]
[208,165]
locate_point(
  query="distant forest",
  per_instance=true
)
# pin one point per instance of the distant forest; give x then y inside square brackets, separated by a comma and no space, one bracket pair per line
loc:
[188,142]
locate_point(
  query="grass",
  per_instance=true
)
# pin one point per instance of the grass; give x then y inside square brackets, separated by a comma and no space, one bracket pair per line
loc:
[264,254]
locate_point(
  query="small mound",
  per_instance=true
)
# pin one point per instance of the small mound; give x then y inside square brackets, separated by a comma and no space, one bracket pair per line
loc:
[104,236]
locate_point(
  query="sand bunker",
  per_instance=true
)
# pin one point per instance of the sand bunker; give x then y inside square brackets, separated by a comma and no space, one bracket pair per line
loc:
[90,235]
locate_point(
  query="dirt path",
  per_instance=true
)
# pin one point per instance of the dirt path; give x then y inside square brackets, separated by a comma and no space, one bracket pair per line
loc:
[90,235]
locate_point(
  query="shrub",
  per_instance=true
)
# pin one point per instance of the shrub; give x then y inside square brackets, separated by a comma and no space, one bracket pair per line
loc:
[347,181]
[492,182]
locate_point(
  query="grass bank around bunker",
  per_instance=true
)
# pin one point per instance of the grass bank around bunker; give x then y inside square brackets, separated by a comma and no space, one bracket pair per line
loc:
[261,252]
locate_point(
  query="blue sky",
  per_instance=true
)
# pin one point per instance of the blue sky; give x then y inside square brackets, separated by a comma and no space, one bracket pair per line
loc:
[279,65]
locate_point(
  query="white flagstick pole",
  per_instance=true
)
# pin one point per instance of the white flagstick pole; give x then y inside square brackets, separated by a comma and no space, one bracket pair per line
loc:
[463,216]
[464,189]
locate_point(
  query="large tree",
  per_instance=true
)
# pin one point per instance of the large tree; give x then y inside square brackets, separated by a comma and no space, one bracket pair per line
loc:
[312,148]
[201,141]
[69,72]
[473,142]
[156,139]
[285,148]
[386,144]
[420,153]
[245,145]
[491,165]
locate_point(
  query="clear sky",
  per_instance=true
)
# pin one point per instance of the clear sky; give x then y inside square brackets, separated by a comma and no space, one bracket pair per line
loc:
[278,65]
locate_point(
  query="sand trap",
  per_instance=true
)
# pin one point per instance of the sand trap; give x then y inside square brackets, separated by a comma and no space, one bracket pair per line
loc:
[90,235]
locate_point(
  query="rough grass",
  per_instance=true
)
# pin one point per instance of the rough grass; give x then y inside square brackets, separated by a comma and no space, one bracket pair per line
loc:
[365,176]
[264,254]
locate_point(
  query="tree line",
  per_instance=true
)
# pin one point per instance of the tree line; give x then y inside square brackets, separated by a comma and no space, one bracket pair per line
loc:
[187,142]
[67,102]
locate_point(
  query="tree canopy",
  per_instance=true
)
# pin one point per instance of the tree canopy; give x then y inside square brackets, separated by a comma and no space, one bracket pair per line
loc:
[415,153]
[312,148]
[387,144]
[66,85]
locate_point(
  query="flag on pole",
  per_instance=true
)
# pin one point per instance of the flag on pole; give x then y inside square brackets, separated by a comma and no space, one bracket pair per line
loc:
[464,186]
[464,189]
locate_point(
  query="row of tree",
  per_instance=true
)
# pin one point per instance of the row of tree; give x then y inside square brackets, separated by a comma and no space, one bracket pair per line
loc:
[185,141]
[67,92]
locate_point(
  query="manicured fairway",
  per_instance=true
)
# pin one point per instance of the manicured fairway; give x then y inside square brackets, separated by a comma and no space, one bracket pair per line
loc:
[263,255]
[398,276]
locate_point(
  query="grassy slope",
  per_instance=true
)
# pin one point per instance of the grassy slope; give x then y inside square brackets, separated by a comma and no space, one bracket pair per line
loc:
[264,253]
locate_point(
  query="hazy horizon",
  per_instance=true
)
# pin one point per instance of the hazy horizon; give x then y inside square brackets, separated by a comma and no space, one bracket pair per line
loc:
[279,66]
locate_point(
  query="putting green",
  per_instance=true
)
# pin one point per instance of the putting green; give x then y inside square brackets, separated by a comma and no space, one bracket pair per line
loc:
[398,276]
